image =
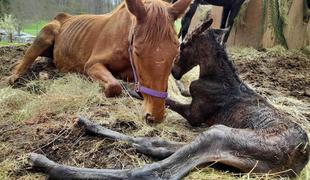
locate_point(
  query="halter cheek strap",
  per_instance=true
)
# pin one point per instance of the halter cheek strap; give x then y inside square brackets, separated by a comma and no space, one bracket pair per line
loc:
[138,87]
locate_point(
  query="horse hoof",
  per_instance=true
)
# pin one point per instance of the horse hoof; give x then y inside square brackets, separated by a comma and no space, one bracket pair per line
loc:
[113,90]
[186,93]
[11,79]
[43,75]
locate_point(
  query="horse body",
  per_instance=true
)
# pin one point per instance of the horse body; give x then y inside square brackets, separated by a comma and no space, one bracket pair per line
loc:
[97,45]
[73,52]
[257,136]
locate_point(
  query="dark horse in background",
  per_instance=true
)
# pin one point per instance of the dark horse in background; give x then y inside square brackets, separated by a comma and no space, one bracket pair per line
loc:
[246,132]
[231,9]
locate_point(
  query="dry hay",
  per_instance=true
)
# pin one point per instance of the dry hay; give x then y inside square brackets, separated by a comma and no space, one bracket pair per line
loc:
[37,114]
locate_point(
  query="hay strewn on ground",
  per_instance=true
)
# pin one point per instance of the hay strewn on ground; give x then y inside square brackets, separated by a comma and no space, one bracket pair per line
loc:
[37,115]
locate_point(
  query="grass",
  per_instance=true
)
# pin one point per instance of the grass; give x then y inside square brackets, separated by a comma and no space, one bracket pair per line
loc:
[177,25]
[74,94]
[35,28]
[4,43]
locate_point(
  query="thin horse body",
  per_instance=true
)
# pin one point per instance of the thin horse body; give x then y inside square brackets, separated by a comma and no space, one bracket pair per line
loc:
[246,132]
[97,45]
[231,9]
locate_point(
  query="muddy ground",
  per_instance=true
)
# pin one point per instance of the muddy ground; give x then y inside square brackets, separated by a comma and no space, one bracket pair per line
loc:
[283,78]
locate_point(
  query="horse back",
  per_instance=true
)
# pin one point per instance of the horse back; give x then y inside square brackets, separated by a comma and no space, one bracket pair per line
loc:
[80,35]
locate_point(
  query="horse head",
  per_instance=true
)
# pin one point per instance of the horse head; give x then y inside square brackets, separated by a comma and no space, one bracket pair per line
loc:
[199,41]
[154,45]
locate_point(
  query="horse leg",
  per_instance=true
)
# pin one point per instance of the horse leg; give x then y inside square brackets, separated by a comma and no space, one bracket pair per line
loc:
[186,20]
[230,22]
[43,41]
[225,15]
[182,109]
[240,148]
[152,146]
[100,73]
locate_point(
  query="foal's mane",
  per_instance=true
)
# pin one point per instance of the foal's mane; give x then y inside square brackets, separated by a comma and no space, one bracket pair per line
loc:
[159,25]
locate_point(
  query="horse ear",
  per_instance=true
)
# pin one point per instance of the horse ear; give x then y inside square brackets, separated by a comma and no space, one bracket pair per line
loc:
[178,8]
[136,8]
[221,32]
[204,26]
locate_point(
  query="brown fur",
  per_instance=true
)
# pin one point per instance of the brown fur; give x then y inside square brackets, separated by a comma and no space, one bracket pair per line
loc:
[97,45]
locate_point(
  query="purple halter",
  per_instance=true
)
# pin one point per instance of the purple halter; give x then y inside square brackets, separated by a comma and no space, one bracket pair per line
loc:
[138,87]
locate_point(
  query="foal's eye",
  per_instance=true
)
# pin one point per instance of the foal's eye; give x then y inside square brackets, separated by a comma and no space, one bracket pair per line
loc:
[182,46]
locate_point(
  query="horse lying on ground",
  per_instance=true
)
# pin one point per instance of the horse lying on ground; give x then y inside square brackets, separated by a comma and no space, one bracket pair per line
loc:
[246,131]
[231,9]
[98,45]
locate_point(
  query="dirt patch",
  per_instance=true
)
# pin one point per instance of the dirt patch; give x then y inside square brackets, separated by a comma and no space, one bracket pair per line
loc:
[287,75]
[10,57]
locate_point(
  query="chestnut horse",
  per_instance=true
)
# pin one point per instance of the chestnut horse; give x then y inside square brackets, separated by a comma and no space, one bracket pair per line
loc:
[97,45]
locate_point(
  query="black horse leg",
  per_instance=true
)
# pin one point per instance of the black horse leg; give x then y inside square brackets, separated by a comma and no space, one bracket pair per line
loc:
[225,15]
[243,149]
[174,167]
[152,146]
[231,19]
[186,20]
[182,109]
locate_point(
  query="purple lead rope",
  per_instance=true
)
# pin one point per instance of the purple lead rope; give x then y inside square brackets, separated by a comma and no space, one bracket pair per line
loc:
[138,86]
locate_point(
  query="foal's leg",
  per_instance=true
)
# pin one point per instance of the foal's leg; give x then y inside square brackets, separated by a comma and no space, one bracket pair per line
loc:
[182,109]
[43,41]
[100,73]
[152,146]
[239,148]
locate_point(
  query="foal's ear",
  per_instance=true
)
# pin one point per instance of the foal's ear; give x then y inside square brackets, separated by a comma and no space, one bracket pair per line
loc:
[219,34]
[136,7]
[203,27]
[178,8]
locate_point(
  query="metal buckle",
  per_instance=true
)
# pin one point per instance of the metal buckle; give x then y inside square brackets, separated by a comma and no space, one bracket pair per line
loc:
[137,87]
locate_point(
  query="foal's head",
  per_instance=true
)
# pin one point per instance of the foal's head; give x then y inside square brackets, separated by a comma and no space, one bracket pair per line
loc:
[198,49]
[155,45]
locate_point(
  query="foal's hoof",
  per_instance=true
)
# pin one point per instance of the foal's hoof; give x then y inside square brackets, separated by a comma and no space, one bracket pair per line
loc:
[186,93]
[113,90]
[11,79]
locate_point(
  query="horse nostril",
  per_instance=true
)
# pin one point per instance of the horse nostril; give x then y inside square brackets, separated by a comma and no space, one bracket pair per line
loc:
[149,118]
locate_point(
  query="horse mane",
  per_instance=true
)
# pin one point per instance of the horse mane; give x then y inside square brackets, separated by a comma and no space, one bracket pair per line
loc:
[159,24]
[221,55]
[219,52]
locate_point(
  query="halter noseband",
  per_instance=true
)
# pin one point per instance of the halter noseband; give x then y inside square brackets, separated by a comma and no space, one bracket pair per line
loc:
[138,87]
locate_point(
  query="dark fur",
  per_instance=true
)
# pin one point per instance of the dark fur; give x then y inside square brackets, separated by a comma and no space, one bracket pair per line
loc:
[220,97]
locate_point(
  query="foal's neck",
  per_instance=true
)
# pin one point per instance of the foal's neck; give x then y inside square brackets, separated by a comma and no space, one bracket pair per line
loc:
[216,66]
